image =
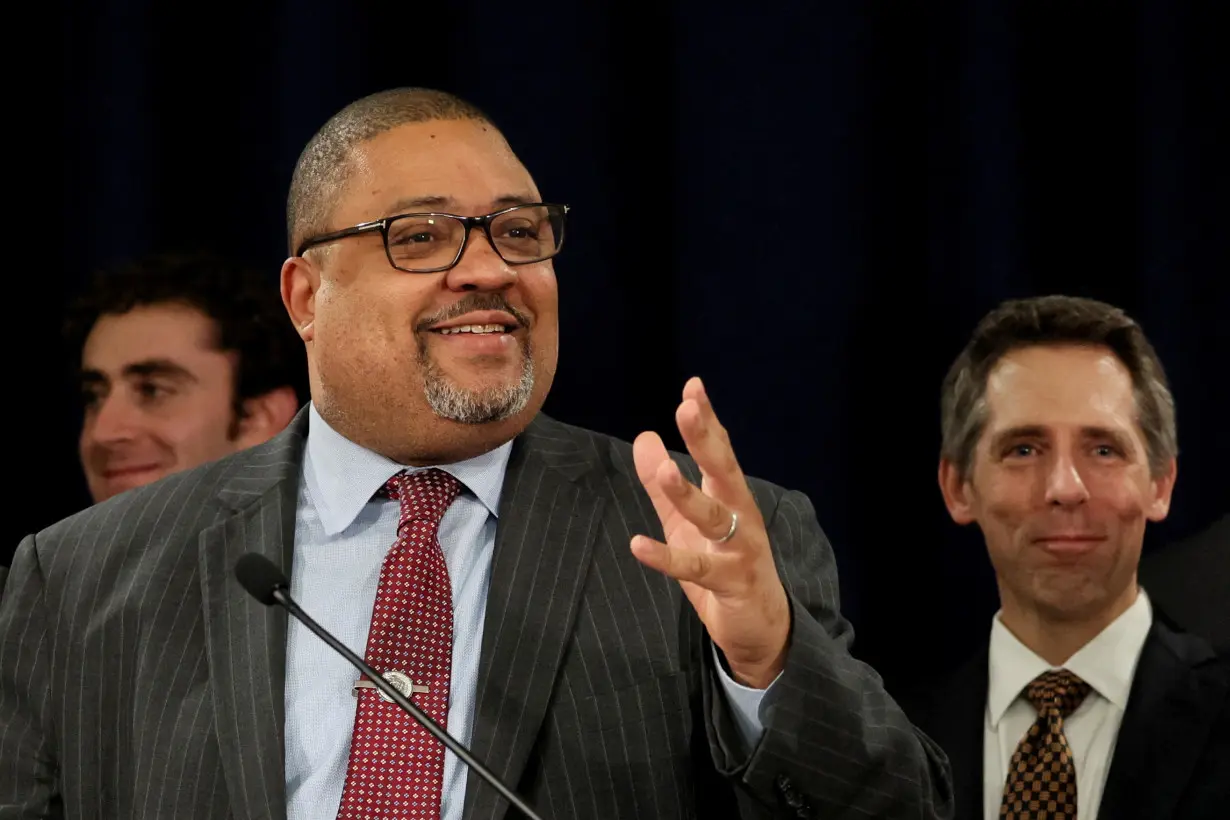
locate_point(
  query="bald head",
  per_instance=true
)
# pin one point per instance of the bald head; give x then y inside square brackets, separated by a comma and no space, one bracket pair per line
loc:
[325,166]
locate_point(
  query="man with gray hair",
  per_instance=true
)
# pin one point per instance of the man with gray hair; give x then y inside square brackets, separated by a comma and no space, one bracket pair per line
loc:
[1059,443]
[618,631]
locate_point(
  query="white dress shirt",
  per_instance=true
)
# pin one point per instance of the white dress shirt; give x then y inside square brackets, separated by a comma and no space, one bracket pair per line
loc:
[342,534]
[1107,663]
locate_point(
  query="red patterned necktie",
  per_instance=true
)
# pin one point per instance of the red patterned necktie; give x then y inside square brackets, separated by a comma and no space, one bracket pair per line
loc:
[396,769]
[1041,782]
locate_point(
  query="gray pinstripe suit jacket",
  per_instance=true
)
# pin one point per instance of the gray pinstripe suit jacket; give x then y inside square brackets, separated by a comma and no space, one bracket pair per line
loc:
[138,680]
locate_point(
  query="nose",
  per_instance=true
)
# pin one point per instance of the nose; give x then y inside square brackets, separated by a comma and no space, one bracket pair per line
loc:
[1064,485]
[111,421]
[481,268]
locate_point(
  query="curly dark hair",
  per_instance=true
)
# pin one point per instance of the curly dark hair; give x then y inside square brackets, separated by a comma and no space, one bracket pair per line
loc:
[243,303]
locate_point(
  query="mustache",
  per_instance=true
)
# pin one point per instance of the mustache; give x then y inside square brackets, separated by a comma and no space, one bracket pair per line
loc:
[474,302]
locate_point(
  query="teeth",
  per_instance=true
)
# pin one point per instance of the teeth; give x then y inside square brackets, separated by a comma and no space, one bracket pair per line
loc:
[474,329]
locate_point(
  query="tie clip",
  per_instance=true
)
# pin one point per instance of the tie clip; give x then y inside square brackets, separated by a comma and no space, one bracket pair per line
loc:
[399,680]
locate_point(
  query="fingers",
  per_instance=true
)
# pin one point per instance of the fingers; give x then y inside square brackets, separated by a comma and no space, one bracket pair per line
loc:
[692,515]
[681,563]
[711,517]
[648,452]
[649,455]
[709,443]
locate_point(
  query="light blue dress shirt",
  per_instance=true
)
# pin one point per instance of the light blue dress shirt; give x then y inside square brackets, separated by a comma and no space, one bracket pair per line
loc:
[342,534]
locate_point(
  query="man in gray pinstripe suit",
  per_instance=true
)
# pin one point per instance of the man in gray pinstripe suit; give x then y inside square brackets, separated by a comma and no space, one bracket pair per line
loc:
[636,634]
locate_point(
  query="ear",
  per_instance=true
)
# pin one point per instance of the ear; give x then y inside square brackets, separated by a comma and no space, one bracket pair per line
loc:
[956,491]
[300,281]
[1162,487]
[266,415]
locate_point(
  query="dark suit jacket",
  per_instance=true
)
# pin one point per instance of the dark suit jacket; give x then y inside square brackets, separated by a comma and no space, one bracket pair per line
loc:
[1172,756]
[137,679]
[1190,580]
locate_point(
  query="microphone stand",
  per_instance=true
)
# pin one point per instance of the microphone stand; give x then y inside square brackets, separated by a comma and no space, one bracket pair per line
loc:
[283,598]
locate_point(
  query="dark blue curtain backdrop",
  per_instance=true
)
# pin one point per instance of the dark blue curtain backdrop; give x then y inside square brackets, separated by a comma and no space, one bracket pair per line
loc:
[808,204]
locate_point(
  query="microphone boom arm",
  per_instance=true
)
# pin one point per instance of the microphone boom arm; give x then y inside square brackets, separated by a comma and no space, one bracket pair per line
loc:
[283,598]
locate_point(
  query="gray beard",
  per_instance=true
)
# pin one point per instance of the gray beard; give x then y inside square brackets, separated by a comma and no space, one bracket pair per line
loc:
[451,402]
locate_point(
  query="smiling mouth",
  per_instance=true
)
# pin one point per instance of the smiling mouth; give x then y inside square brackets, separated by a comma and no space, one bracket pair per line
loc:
[1069,539]
[1068,547]
[123,471]
[474,329]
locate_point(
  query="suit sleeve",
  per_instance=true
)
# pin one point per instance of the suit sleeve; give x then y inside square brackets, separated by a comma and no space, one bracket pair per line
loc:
[834,744]
[29,776]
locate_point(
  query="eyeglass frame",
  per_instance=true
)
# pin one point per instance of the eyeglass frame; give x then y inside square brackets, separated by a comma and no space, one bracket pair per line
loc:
[468,222]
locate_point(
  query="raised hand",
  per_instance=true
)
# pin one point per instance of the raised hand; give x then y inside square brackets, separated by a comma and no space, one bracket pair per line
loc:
[716,543]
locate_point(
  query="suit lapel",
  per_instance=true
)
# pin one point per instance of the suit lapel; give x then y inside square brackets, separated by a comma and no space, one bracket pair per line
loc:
[1176,693]
[245,641]
[548,522]
[957,724]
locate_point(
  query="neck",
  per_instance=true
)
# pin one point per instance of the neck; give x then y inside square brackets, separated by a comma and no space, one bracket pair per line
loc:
[435,441]
[1057,635]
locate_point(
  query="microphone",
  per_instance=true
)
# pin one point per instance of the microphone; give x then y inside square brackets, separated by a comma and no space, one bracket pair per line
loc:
[266,583]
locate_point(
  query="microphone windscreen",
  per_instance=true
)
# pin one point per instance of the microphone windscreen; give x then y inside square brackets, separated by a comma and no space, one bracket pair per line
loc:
[259,577]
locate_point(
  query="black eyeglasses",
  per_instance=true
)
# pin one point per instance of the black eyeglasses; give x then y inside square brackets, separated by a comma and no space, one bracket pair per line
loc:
[427,243]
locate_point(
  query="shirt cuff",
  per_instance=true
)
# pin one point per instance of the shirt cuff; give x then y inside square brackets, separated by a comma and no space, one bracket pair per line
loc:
[744,702]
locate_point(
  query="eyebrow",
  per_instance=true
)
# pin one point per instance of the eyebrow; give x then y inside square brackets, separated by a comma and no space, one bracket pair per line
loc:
[1012,433]
[145,368]
[1116,437]
[1037,431]
[417,203]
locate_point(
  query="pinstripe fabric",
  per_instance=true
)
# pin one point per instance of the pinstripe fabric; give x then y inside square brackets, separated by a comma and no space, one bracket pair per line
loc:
[138,680]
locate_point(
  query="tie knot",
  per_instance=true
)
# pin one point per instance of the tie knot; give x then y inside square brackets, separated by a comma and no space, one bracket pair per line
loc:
[424,494]
[1057,693]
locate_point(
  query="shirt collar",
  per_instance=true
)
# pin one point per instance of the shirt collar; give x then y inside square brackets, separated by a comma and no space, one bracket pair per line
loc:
[342,476]
[1107,663]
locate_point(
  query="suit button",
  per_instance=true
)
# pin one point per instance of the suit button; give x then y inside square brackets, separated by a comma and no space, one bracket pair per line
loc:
[793,798]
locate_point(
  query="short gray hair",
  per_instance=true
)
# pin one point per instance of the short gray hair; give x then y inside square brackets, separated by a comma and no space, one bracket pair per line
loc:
[1054,320]
[324,166]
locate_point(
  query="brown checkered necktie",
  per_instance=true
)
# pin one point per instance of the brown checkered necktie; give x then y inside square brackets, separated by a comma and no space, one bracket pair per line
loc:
[1041,781]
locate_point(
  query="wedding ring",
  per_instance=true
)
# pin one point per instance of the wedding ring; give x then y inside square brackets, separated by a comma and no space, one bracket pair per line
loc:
[734,525]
